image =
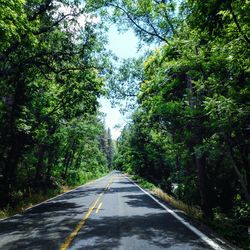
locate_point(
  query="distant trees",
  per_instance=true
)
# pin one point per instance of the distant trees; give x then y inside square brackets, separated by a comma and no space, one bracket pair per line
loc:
[107,146]
[110,151]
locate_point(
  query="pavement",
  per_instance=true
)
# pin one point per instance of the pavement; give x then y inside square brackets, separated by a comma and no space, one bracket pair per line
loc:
[110,213]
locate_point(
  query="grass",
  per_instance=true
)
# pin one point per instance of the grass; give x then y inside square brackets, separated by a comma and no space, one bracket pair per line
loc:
[189,210]
[143,183]
[36,198]
[28,202]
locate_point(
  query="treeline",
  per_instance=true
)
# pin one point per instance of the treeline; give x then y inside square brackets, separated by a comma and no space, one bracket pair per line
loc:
[190,132]
[51,61]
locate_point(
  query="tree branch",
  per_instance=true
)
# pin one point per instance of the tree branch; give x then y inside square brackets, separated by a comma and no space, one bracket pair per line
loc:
[138,26]
[237,23]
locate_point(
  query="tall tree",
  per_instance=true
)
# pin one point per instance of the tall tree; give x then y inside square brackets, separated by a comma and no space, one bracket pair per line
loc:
[49,74]
[110,148]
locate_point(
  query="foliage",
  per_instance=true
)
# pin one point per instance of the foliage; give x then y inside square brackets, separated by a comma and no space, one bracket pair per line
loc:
[52,61]
[190,131]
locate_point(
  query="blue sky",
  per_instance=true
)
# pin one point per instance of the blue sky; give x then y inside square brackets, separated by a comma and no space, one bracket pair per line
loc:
[124,46]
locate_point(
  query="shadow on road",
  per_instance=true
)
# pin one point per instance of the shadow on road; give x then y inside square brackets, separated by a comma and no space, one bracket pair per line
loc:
[142,221]
[113,232]
[49,224]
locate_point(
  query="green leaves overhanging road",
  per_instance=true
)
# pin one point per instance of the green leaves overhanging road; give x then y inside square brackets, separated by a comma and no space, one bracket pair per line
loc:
[50,129]
[189,132]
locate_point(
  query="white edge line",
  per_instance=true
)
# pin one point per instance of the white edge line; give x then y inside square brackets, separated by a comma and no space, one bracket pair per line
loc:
[204,237]
[88,183]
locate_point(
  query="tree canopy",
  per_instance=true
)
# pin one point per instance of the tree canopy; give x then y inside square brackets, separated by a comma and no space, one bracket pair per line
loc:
[51,67]
[191,126]
[189,131]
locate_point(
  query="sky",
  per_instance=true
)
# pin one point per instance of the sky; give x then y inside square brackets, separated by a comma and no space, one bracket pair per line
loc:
[124,46]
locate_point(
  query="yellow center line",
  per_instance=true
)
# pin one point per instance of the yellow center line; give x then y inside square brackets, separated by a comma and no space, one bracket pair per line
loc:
[109,183]
[66,244]
[98,208]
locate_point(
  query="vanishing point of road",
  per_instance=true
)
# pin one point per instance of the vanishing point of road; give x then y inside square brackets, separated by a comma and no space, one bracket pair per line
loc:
[109,213]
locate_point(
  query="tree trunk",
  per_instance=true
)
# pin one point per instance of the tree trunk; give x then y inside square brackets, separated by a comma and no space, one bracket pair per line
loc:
[10,168]
[40,165]
[242,180]
[190,88]
[177,161]
[50,163]
[69,158]
[15,142]
[203,186]
[200,160]
[78,161]
[66,163]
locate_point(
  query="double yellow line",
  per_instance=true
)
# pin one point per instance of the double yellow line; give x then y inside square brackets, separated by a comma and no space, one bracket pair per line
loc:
[66,244]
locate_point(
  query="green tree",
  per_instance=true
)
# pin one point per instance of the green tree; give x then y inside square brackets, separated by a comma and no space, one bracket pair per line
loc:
[49,75]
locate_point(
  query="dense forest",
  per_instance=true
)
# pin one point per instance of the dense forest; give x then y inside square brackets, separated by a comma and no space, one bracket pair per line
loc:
[189,128]
[189,132]
[51,65]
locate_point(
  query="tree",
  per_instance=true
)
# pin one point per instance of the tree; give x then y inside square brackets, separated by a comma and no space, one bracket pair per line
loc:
[49,74]
[180,79]
[110,148]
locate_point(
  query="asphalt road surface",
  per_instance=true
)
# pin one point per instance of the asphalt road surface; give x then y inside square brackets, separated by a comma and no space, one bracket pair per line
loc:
[110,213]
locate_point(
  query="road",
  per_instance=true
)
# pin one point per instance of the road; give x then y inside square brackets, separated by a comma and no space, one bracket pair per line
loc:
[110,213]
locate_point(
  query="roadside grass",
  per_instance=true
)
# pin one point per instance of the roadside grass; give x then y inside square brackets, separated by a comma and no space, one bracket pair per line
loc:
[222,225]
[27,202]
[34,198]
[189,210]
[143,183]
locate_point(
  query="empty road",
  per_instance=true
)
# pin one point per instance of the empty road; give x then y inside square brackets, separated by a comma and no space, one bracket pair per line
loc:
[110,213]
